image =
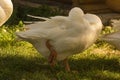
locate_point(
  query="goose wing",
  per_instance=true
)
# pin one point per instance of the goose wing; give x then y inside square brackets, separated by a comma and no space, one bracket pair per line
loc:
[46,29]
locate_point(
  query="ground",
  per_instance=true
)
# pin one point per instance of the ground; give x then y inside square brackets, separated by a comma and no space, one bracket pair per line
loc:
[20,61]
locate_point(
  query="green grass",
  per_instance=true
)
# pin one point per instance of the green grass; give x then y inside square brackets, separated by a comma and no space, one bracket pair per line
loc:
[20,61]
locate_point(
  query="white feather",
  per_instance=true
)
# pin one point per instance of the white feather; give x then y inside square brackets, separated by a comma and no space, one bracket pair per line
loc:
[37,17]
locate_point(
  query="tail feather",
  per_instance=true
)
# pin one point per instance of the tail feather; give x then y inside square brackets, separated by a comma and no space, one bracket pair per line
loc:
[37,17]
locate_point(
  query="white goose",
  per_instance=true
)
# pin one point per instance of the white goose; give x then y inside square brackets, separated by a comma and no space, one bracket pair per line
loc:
[114,37]
[59,37]
[6,9]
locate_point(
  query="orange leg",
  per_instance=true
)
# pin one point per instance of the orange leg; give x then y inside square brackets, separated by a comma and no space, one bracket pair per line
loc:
[67,67]
[53,53]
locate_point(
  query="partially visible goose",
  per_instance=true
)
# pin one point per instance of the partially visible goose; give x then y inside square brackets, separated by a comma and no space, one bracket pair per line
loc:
[114,37]
[61,36]
[6,9]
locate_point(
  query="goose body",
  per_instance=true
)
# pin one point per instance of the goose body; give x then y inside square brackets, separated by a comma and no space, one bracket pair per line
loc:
[113,39]
[67,34]
[6,9]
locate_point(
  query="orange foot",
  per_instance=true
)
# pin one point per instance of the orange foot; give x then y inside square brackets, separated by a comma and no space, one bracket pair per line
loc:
[53,53]
[67,67]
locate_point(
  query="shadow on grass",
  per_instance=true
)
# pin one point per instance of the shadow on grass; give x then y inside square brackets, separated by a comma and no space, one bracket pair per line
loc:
[87,64]
[21,68]
[16,67]
[98,68]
